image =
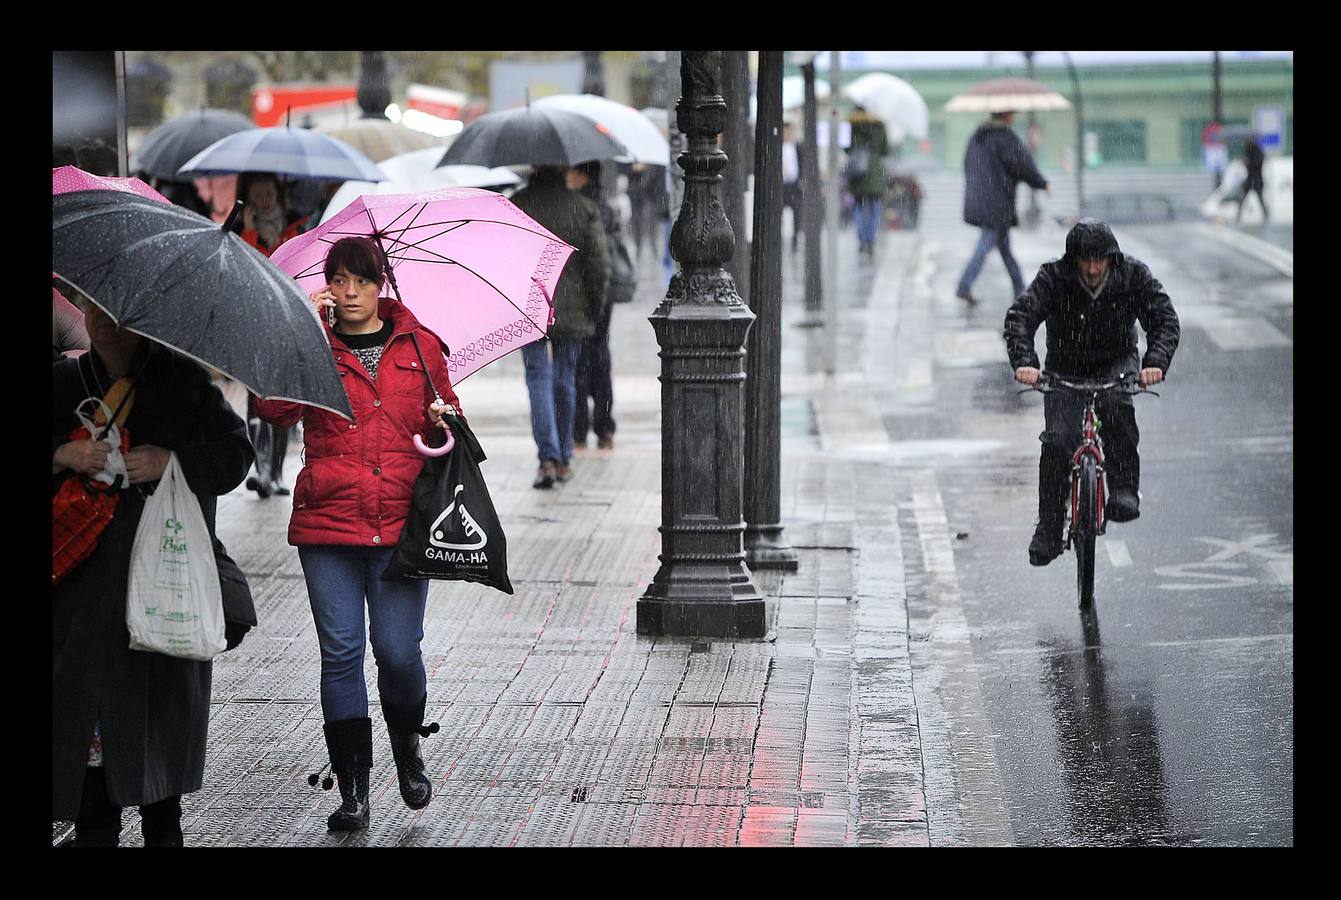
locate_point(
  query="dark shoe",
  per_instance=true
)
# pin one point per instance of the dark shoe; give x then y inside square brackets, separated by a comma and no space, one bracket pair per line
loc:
[260,486]
[563,472]
[161,823]
[967,297]
[606,442]
[278,488]
[1046,545]
[544,478]
[349,742]
[1124,505]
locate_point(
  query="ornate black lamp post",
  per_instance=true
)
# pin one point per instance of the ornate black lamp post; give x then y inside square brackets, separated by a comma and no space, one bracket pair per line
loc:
[702,588]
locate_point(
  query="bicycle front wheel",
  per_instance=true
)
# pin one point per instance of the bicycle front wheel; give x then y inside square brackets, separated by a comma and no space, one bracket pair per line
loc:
[1084,530]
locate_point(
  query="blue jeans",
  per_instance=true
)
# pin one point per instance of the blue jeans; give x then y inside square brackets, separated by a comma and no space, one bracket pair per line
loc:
[987,239]
[867,214]
[338,581]
[552,386]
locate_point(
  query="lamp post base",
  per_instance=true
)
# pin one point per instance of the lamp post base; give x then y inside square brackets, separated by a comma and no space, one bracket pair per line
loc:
[766,548]
[702,601]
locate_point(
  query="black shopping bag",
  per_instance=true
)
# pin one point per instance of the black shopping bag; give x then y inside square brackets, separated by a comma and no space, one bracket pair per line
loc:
[452,532]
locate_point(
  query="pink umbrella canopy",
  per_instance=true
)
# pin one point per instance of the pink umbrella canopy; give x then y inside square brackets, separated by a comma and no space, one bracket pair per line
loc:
[472,267]
[70,178]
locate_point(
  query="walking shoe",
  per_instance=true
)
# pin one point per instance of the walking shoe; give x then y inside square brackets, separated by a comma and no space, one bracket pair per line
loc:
[967,297]
[606,442]
[277,487]
[349,742]
[544,477]
[1046,544]
[1124,505]
[563,472]
[260,487]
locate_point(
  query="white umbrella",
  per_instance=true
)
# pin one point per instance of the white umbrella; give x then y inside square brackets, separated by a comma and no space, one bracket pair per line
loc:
[1007,95]
[894,101]
[416,172]
[624,123]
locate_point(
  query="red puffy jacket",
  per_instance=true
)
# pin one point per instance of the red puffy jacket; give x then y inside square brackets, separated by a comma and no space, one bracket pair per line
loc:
[358,478]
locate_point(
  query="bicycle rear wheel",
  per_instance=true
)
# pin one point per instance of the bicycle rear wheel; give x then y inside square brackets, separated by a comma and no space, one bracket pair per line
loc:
[1083,530]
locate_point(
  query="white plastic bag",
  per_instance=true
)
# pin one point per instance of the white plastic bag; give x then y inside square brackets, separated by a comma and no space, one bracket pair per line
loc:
[116,463]
[174,604]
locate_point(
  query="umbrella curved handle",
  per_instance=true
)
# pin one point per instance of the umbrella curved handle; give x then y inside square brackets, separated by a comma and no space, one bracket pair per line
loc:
[426,450]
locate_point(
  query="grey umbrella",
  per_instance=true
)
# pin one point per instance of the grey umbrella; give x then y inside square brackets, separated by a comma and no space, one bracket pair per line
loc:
[177,278]
[533,136]
[170,145]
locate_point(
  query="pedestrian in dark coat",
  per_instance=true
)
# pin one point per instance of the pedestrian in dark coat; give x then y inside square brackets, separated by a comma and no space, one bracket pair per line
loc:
[579,303]
[141,716]
[1254,159]
[1091,299]
[867,179]
[995,162]
[593,375]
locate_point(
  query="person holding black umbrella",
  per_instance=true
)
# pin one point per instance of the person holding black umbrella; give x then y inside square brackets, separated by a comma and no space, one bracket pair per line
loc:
[129,728]
[579,304]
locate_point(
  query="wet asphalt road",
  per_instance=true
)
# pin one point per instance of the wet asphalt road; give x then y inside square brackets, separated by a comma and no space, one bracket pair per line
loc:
[1167,716]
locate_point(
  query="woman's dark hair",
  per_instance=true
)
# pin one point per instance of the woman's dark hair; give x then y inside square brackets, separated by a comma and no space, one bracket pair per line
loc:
[246,179]
[360,256]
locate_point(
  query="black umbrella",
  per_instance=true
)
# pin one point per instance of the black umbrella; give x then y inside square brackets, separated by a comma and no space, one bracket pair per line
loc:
[532,136]
[167,148]
[177,278]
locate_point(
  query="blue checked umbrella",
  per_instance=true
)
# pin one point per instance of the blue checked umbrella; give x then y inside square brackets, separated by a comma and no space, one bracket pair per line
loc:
[283,150]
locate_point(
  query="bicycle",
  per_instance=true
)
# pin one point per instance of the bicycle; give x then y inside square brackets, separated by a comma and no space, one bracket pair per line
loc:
[1086,518]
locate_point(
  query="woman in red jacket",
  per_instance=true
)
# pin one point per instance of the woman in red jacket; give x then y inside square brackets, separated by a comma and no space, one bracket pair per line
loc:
[349,505]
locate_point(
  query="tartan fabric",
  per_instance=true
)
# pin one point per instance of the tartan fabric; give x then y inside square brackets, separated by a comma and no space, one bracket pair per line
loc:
[80,511]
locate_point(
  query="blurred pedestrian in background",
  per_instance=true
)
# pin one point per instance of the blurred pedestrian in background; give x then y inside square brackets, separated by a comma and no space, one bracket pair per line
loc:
[266,222]
[218,193]
[994,163]
[579,302]
[647,199]
[349,506]
[791,179]
[1254,159]
[593,380]
[129,727]
[865,175]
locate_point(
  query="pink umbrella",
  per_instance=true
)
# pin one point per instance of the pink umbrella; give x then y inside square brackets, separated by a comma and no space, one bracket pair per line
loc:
[472,267]
[70,178]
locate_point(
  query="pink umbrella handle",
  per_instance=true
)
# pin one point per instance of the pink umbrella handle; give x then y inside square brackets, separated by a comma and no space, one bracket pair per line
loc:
[426,450]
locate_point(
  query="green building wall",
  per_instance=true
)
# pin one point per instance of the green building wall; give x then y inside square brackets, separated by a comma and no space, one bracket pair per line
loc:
[1148,115]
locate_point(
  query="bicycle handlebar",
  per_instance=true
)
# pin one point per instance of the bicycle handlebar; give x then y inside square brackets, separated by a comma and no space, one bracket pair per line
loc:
[1050,382]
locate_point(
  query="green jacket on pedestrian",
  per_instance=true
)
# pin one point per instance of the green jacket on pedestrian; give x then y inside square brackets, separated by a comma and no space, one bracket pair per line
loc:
[869,132]
[580,298]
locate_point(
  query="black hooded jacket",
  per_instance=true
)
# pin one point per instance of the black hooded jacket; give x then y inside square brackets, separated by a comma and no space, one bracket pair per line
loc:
[1087,336]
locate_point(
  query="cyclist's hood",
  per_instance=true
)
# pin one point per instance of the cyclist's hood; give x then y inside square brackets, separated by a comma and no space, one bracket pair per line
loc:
[1090,239]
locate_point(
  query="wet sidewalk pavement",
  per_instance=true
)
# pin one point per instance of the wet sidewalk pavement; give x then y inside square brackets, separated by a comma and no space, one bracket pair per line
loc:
[559,724]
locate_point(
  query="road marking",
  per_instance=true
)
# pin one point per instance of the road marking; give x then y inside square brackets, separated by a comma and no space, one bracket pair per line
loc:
[1118,553]
[1278,258]
[1243,333]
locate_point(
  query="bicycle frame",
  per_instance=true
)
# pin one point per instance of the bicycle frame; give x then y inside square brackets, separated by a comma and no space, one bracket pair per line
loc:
[1091,445]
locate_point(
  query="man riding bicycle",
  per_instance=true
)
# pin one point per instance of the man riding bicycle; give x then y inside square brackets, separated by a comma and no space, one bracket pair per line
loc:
[1091,299]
